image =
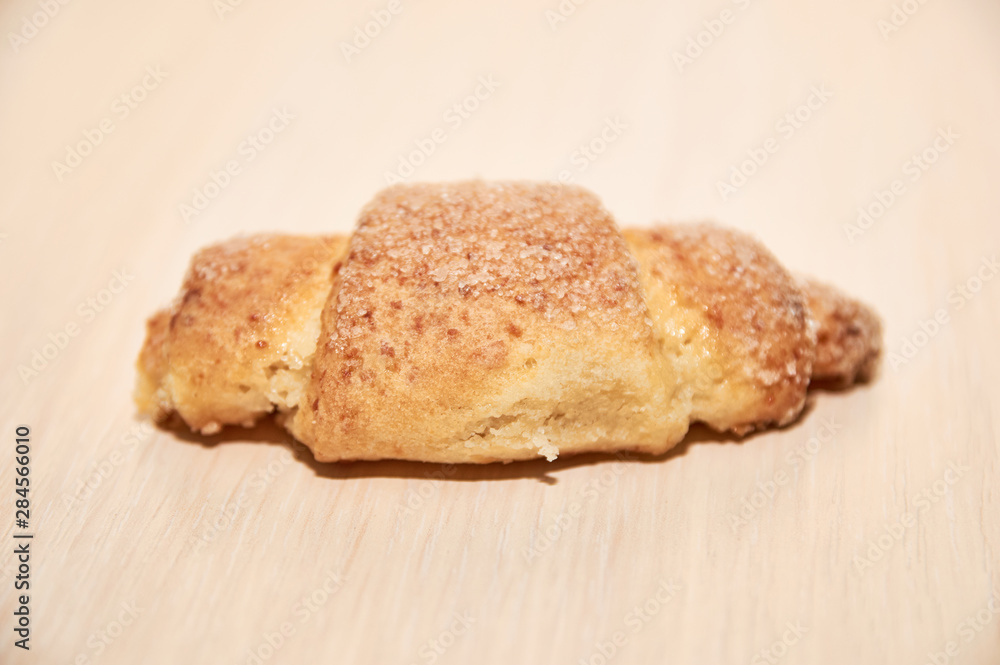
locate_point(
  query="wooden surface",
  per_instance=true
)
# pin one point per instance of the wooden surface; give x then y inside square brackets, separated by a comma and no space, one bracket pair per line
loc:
[208,548]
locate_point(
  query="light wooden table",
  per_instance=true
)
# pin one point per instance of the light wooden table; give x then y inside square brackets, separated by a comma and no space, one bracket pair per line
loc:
[879,540]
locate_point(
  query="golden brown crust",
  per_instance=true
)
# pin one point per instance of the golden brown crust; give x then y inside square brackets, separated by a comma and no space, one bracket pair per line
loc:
[733,323]
[463,326]
[153,365]
[244,326]
[474,322]
[849,335]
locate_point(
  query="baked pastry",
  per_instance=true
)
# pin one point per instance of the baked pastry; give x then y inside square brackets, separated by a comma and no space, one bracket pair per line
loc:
[481,322]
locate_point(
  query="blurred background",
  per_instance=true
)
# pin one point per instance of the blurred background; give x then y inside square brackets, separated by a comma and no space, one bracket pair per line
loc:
[690,105]
[858,140]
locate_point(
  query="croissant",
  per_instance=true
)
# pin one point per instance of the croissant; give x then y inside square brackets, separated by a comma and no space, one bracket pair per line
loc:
[480,322]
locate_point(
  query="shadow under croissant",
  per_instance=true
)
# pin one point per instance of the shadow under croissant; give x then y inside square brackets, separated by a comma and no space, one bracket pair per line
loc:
[267,431]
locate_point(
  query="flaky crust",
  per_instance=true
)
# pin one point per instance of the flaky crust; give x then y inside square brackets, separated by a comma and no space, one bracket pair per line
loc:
[848,335]
[478,322]
[464,324]
[238,341]
[732,321]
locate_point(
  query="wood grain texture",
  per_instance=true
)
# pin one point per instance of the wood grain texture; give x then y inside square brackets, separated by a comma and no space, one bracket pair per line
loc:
[214,544]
